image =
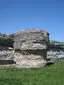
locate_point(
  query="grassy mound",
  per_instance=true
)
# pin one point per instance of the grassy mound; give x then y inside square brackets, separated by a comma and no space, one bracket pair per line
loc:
[50,75]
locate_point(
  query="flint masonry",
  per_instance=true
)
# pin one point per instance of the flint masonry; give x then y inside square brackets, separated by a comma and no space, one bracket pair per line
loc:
[32,46]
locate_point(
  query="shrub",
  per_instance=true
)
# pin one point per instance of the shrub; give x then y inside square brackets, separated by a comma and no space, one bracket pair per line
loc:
[6,42]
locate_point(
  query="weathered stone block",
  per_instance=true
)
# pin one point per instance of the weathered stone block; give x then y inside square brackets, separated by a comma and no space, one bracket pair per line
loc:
[31,47]
[31,39]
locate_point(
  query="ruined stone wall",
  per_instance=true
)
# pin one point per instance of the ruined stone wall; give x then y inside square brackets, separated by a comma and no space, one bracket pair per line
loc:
[55,54]
[55,50]
[6,57]
[31,47]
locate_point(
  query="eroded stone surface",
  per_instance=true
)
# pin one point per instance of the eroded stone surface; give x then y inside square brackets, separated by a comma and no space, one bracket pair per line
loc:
[29,60]
[6,55]
[31,39]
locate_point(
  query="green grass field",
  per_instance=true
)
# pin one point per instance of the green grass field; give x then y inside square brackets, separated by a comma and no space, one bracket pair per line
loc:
[50,75]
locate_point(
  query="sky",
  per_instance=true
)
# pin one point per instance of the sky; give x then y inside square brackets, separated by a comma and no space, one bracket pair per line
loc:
[16,15]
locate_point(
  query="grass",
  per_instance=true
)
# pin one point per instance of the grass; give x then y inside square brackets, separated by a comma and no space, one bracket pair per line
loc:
[50,75]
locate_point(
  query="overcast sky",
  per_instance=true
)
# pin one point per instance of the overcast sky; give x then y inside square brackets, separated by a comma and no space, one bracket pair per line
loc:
[46,14]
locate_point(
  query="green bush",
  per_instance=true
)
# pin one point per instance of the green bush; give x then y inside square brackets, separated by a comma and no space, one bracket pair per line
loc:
[6,42]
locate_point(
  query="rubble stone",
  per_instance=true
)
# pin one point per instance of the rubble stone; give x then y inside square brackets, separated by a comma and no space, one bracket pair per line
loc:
[31,39]
[30,47]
